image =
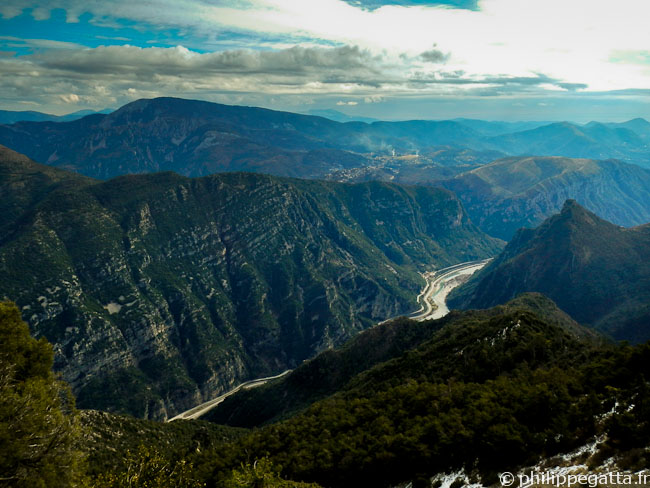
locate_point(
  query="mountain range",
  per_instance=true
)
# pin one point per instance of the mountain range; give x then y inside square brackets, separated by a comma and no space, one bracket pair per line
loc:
[196,138]
[501,194]
[173,249]
[160,291]
[594,270]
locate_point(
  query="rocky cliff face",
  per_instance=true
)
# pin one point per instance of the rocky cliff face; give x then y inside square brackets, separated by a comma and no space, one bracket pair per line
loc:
[160,291]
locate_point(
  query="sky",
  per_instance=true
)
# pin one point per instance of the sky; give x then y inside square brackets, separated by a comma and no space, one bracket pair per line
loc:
[577,60]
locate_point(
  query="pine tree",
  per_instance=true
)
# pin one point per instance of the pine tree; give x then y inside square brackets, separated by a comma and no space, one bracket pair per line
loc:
[38,422]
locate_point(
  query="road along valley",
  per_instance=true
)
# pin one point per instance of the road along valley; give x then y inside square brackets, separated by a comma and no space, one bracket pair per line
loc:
[433,306]
[203,408]
[439,284]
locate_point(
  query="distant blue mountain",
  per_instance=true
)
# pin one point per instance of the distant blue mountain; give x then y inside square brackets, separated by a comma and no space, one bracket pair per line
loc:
[497,128]
[11,117]
[339,116]
[82,113]
[627,141]
[639,125]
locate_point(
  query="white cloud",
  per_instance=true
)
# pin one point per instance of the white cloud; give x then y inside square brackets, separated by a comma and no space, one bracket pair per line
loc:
[113,75]
[9,10]
[70,98]
[506,48]
[345,70]
[570,40]
[374,99]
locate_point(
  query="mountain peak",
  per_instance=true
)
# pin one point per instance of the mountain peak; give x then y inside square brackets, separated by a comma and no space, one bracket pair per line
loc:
[571,205]
[639,120]
[573,225]
[578,215]
[594,270]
